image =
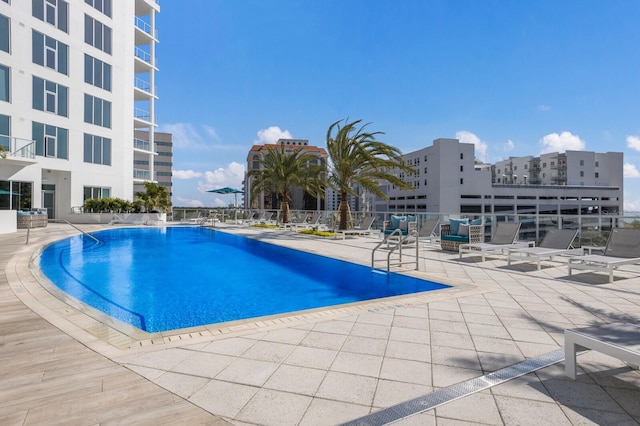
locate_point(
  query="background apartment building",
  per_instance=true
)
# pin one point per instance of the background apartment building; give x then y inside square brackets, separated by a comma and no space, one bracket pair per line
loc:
[300,200]
[448,179]
[77,79]
[162,159]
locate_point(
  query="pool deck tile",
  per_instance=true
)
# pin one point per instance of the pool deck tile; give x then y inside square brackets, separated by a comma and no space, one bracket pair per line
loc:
[63,363]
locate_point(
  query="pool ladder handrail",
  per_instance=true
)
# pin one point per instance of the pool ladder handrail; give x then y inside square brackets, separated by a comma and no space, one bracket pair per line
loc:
[73,226]
[398,246]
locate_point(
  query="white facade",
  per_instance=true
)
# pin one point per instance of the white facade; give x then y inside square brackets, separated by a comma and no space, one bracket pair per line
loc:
[80,79]
[448,180]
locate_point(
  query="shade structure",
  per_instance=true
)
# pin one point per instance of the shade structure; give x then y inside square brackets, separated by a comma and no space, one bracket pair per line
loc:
[5,192]
[229,190]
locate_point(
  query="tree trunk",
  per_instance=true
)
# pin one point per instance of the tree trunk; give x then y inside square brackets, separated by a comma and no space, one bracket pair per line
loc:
[284,206]
[344,211]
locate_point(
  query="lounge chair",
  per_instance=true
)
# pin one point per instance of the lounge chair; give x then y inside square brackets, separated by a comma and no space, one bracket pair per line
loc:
[192,219]
[251,217]
[623,248]
[292,223]
[363,229]
[505,238]
[556,242]
[428,231]
[312,222]
[619,340]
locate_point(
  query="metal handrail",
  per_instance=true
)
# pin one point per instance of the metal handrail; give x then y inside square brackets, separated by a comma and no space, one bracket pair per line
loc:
[398,246]
[73,226]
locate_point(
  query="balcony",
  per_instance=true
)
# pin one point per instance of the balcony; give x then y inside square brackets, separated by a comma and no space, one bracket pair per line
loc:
[143,89]
[18,151]
[144,61]
[142,118]
[142,175]
[145,28]
[142,145]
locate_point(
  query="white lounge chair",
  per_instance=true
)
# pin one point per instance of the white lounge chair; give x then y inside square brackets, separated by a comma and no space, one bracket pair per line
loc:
[556,242]
[363,229]
[428,231]
[505,238]
[623,248]
[295,222]
[312,222]
[619,340]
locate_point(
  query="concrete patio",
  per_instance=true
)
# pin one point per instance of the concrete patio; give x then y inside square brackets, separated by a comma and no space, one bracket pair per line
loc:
[64,363]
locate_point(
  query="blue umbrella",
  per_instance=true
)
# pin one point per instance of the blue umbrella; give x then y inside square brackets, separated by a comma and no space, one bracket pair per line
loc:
[228,190]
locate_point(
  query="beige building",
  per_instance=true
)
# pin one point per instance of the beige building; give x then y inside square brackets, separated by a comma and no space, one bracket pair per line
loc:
[300,200]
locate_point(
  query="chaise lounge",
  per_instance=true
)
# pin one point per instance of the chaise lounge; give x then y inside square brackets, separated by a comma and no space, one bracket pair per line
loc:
[623,248]
[556,242]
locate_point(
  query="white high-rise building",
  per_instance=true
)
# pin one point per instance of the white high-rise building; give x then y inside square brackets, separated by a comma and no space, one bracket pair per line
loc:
[77,79]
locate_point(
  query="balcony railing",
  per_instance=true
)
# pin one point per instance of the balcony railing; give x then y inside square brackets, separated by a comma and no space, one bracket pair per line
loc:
[141,114]
[143,145]
[144,56]
[144,85]
[144,26]
[141,174]
[17,147]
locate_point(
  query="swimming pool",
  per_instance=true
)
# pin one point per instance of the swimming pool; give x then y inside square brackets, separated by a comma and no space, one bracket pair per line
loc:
[160,279]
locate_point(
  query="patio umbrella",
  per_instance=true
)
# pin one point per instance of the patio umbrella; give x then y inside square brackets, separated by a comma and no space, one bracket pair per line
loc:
[5,192]
[228,190]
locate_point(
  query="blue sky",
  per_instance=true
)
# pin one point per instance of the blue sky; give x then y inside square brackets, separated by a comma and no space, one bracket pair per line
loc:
[513,77]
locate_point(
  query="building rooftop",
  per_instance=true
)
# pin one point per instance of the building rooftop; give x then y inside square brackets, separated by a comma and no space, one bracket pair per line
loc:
[328,366]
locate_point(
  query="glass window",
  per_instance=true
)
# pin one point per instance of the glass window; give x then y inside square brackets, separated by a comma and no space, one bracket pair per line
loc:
[97,73]
[50,97]
[51,141]
[103,6]
[96,192]
[49,52]
[54,12]
[4,33]
[97,34]
[5,131]
[97,150]
[97,111]
[4,83]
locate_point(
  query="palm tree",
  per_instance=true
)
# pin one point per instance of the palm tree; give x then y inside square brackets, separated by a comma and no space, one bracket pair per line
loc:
[356,158]
[154,197]
[281,171]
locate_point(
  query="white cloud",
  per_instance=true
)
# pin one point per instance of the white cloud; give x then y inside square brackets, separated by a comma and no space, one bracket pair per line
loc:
[272,134]
[186,174]
[509,146]
[631,205]
[186,202]
[633,142]
[561,142]
[630,171]
[544,108]
[232,176]
[185,135]
[468,137]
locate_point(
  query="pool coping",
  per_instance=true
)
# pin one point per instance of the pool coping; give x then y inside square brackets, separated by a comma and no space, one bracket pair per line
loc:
[113,337]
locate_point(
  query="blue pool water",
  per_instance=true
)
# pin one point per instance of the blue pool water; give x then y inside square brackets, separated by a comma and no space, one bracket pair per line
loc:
[160,279]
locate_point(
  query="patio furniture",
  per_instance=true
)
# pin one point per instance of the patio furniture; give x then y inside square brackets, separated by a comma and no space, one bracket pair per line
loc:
[504,238]
[363,229]
[398,227]
[556,242]
[460,231]
[619,340]
[623,248]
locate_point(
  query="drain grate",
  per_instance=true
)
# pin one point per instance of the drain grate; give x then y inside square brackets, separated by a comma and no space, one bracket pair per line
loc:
[459,390]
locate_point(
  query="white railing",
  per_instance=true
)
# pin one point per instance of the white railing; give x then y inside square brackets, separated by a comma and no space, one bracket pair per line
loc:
[145,27]
[142,114]
[141,174]
[144,145]
[144,85]
[17,147]
[144,56]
